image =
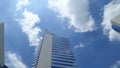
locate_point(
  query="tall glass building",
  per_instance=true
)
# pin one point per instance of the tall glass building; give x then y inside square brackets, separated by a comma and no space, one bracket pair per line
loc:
[54,52]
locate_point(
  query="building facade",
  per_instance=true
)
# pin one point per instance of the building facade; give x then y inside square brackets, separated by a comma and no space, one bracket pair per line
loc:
[54,52]
[1,44]
[116,23]
[2,65]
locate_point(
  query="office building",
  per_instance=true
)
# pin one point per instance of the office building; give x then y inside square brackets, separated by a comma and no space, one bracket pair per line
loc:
[54,52]
[2,65]
[116,23]
[1,44]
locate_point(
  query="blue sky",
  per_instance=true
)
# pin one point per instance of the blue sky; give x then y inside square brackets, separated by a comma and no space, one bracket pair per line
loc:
[85,22]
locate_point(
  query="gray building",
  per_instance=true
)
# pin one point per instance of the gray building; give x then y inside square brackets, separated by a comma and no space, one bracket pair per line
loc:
[116,23]
[2,64]
[1,44]
[54,52]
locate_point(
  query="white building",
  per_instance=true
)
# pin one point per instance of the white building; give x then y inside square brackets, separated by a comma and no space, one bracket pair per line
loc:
[116,23]
[54,52]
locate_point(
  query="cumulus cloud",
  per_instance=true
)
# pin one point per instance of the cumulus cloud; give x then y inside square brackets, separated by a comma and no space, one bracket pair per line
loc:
[77,11]
[116,65]
[15,61]
[28,22]
[79,46]
[111,10]
[28,27]
[21,3]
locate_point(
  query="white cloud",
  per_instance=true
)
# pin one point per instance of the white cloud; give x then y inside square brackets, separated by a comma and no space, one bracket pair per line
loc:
[15,61]
[21,3]
[116,65]
[77,11]
[79,46]
[28,27]
[28,23]
[110,11]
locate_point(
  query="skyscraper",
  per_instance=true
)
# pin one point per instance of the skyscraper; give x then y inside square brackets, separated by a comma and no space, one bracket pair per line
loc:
[1,44]
[116,23]
[2,65]
[54,52]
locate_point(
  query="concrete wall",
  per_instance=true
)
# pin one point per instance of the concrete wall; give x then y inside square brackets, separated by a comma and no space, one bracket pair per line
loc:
[116,23]
[1,44]
[45,52]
